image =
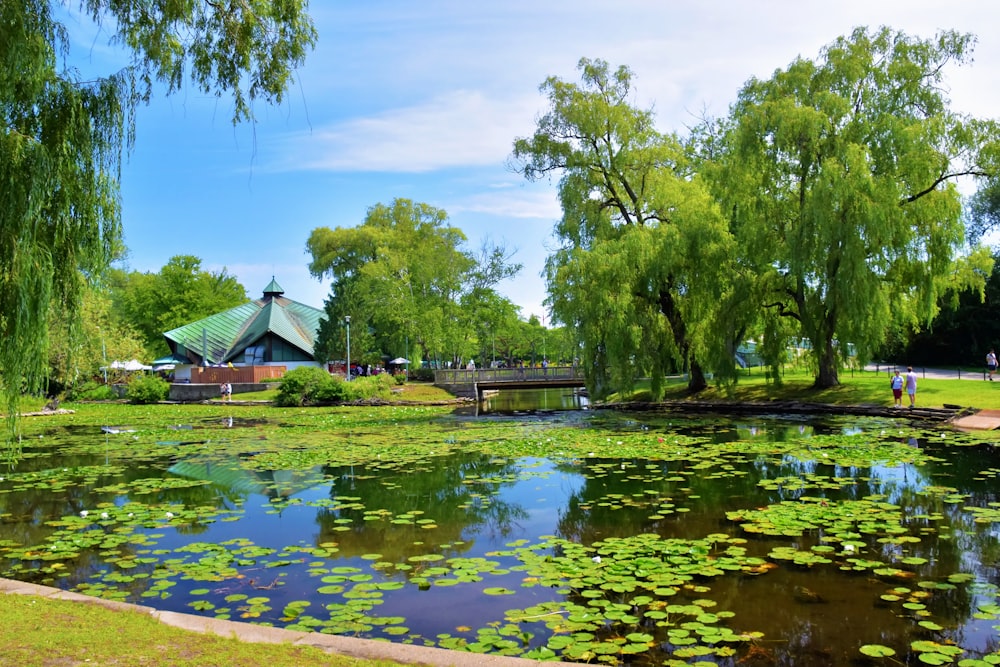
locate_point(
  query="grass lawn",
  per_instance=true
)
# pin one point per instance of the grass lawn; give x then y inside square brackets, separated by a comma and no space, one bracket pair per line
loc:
[43,632]
[411,391]
[857,388]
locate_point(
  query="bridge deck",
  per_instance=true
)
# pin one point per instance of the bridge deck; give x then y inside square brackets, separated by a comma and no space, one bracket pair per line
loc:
[459,380]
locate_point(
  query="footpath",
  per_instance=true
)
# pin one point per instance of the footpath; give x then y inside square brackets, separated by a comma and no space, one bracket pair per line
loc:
[933,373]
[981,420]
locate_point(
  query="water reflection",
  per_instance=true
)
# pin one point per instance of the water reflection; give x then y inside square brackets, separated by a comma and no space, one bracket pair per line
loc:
[531,400]
[398,535]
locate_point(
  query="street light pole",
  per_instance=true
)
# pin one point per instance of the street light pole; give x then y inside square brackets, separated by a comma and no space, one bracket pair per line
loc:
[544,354]
[104,353]
[347,318]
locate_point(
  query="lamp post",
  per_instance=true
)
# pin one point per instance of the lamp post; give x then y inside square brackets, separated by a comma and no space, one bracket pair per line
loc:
[104,354]
[544,353]
[347,319]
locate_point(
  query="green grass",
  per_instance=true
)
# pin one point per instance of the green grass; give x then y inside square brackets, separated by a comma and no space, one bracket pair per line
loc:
[857,388]
[411,391]
[45,632]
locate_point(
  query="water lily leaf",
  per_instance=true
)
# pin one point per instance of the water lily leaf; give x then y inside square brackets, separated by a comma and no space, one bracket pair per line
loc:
[877,650]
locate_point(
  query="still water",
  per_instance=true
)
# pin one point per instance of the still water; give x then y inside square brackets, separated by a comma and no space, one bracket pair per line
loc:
[638,539]
[533,400]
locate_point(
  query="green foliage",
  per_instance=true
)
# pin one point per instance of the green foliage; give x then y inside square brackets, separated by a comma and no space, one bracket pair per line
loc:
[984,212]
[644,249]
[374,387]
[248,50]
[961,334]
[422,374]
[90,390]
[60,153]
[407,282]
[837,176]
[146,388]
[180,293]
[77,354]
[62,139]
[309,385]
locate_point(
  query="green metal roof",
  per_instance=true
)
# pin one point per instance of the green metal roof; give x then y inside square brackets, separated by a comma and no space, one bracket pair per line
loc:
[273,288]
[171,359]
[226,335]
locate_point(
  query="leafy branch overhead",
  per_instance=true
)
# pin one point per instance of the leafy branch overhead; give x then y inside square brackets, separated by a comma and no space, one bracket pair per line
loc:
[62,138]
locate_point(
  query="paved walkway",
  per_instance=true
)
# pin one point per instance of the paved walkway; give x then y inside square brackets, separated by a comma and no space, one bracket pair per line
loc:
[933,373]
[983,420]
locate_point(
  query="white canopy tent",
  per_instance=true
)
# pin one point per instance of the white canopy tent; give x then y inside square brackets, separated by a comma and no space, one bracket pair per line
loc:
[131,365]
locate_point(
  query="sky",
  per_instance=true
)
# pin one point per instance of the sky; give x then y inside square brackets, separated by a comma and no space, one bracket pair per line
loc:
[423,100]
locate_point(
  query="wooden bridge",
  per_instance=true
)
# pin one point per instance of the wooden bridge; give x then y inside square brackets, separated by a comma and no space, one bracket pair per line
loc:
[472,383]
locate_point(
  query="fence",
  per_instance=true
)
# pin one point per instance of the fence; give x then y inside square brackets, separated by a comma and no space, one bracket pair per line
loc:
[235,375]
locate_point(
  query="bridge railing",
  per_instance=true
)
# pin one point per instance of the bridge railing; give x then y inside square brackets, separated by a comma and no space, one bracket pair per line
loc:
[454,376]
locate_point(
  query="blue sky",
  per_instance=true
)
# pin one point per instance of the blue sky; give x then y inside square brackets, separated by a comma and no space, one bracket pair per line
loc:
[423,100]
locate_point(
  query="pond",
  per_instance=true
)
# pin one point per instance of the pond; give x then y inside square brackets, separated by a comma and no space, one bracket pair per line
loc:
[590,536]
[532,400]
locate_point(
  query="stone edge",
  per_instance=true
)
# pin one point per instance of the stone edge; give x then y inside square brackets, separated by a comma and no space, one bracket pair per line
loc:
[367,649]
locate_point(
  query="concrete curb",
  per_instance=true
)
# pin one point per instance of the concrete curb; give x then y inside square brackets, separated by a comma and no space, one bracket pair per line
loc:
[365,649]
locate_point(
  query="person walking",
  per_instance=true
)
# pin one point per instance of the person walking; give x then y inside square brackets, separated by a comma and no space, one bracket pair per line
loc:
[991,363]
[896,382]
[911,386]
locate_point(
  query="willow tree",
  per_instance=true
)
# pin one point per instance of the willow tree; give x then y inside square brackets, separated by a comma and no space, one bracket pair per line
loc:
[642,244]
[62,138]
[839,175]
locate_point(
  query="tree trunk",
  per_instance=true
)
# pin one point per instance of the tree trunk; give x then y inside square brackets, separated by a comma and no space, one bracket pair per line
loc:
[696,378]
[827,358]
[696,375]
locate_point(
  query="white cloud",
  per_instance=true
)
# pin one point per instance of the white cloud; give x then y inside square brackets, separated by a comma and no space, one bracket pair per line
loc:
[527,202]
[458,128]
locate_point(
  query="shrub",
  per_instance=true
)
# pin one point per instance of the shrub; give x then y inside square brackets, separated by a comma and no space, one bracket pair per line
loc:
[304,386]
[331,391]
[144,388]
[366,388]
[400,378]
[308,385]
[90,391]
[422,374]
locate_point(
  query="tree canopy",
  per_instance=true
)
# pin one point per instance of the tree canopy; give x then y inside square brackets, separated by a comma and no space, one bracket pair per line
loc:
[62,138]
[179,293]
[839,177]
[643,250]
[405,274]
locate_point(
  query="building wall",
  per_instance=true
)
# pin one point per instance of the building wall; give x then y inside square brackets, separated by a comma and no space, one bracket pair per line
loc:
[202,392]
